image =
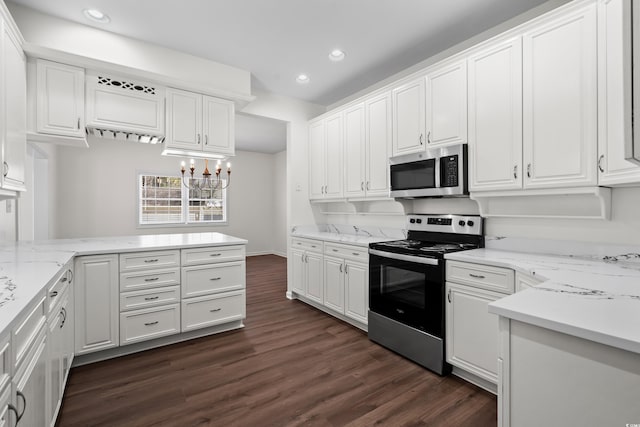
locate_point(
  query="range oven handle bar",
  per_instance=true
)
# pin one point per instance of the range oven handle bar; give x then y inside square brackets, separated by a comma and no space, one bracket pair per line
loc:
[401,257]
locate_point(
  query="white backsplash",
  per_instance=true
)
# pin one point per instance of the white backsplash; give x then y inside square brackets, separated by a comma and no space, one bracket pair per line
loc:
[354,230]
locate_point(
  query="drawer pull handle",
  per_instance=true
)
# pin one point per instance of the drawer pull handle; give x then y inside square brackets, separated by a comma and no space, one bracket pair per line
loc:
[64,279]
[214,310]
[477,276]
[53,294]
[355,253]
[151,260]
[153,279]
[334,250]
[151,323]
[215,254]
[215,278]
[151,298]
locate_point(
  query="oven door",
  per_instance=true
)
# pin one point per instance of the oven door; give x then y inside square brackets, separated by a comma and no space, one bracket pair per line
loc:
[408,289]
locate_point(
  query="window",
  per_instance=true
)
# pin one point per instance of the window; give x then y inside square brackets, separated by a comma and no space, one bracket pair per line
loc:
[166,200]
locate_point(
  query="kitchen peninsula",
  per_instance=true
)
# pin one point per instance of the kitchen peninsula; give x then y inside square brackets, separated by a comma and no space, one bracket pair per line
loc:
[99,298]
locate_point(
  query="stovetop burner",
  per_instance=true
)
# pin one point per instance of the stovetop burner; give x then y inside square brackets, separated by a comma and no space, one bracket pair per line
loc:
[435,235]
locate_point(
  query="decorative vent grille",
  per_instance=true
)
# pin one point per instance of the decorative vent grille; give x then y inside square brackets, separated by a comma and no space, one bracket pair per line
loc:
[107,81]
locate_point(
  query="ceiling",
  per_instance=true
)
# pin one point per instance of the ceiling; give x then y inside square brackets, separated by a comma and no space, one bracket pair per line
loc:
[278,39]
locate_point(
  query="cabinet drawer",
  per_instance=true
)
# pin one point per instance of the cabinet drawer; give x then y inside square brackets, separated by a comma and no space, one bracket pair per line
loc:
[216,254]
[147,260]
[356,253]
[307,244]
[149,298]
[28,329]
[5,396]
[56,290]
[212,310]
[149,323]
[481,276]
[206,279]
[149,279]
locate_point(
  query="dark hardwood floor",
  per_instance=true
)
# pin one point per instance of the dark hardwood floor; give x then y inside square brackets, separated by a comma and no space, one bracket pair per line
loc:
[291,365]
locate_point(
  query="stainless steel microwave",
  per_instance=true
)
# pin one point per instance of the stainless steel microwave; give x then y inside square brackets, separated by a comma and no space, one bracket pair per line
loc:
[439,172]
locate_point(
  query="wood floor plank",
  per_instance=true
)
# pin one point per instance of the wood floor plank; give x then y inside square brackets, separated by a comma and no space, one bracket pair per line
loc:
[291,365]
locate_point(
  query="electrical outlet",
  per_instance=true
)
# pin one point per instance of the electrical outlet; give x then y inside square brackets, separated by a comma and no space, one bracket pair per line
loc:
[8,206]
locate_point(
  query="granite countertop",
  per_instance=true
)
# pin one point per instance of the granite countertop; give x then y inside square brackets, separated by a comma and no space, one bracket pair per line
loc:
[28,268]
[596,299]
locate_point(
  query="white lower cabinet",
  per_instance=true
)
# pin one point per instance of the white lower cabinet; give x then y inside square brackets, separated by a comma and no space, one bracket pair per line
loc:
[59,352]
[471,331]
[307,268]
[346,280]
[30,383]
[213,286]
[149,323]
[210,310]
[96,303]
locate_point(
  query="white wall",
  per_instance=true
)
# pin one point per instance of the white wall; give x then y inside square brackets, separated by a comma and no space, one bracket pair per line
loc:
[280,204]
[100,192]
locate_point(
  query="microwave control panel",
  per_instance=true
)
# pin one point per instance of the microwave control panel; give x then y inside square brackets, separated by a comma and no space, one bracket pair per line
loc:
[449,171]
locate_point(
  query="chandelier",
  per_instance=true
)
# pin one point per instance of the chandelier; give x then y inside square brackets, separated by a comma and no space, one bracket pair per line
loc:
[206,183]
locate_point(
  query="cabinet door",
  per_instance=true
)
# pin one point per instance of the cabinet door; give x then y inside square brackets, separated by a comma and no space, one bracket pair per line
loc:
[378,145]
[55,342]
[334,156]
[314,276]
[316,160]
[60,99]
[447,105]
[614,97]
[31,385]
[68,334]
[334,283]
[218,126]
[15,112]
[356,291]
[409,118]
[560,101]
[298,267]
[96,303]
[354,152]
[472,332]
[495,117]
[184,120]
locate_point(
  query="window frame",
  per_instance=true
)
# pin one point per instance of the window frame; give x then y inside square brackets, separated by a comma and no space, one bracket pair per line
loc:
[184,211]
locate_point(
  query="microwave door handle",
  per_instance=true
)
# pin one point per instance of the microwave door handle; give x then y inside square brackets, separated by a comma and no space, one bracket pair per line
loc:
[401,257]
[437,173]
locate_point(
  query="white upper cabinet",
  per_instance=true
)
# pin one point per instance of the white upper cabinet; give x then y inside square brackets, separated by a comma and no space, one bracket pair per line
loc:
[326,138]
[13,109]
[355,175]
[495,116]
[59,99]
[614,96]
[560,100]
[446,108]
[409,118]
[199,124]
[378,145]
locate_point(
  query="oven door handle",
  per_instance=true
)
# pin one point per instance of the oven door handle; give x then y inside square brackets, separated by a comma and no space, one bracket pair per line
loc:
[401,257]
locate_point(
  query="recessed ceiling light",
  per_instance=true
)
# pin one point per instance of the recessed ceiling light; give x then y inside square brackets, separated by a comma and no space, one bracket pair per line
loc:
[96,15]
[302,79]
[336,55]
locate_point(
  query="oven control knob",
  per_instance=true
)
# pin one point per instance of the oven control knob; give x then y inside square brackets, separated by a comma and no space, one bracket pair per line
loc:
[419,221]
[470,223]
[412,221]
[461,223]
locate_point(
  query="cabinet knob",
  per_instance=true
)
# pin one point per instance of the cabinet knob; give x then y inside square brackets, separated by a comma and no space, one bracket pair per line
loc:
[206,140]
[449,295]
[362,185]
[198,138]
[6,169]
[529,170]
[420,139]
[429,137]
[78,127]
[367,185]
[515,171]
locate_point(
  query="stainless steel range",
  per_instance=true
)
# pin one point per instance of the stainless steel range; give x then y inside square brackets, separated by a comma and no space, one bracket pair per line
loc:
[407,286]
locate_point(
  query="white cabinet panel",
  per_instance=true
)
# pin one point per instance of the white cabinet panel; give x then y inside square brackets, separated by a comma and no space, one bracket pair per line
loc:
[334,157]
[446,107]
[211,310]
[315,277]
[495,117]
[409,118]
[31,385]
[59,99]
[149,323]
[560,101]
[218,126]
[378,145]
[184,119]
[614,96]
[212,278]
[472,332]
[356,291]
[334,283]
[316,160]
[298,267]
[96,302]
[355,152]
[145,260]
